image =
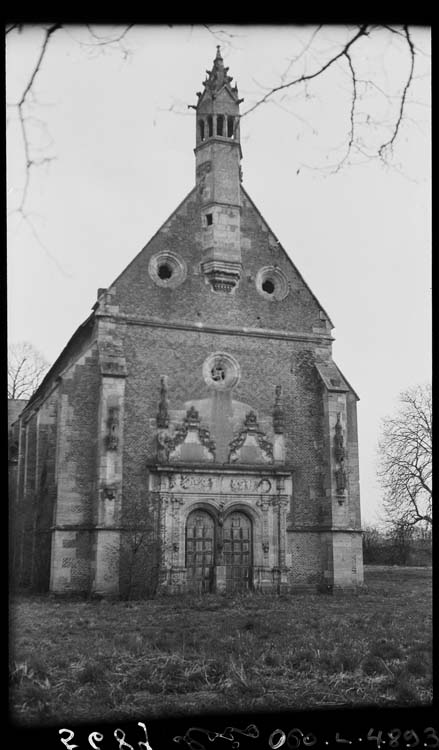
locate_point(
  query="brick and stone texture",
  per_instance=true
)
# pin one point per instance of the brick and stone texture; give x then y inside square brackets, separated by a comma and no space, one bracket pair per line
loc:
[135,294]
[72,546]
[89,438]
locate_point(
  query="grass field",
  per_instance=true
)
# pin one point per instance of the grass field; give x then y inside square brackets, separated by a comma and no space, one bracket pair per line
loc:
[100,660]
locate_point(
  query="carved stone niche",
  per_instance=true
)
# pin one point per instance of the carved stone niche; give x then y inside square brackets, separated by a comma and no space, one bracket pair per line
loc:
[339,455]
[112,438]
[109,492]
[278,414]
[163,410]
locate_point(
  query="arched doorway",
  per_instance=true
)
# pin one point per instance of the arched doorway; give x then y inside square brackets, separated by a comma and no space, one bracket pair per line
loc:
[200,549]
[237,551]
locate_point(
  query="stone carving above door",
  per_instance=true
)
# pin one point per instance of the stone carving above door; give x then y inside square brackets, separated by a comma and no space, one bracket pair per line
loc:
[250,445]
[186,442]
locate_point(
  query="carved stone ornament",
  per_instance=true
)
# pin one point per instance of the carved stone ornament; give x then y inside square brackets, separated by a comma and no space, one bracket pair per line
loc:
[206,440]
[166,444]
[192,418]
[109,492]
[221,371]
[339,450]
[278,415]
[113,428]
[163,412]
[340,477]
[251,427]
[339,453]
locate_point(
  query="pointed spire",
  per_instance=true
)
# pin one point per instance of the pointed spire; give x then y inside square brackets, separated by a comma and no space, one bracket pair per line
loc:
[217,77]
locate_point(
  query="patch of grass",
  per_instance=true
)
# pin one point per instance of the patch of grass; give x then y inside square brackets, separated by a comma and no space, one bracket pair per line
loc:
[374,665]
[93,672]
[418,666]
[386,650]
[85,660]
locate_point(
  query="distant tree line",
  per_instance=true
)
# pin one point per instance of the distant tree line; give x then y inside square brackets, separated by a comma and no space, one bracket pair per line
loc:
[401,544]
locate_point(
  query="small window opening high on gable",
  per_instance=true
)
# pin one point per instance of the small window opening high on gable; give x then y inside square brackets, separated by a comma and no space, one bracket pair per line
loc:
[220,125]
[268,286]
[209,219]
[230,127]
[164,271]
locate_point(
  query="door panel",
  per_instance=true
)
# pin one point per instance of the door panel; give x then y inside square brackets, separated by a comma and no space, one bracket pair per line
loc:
[237,540]
[200,546]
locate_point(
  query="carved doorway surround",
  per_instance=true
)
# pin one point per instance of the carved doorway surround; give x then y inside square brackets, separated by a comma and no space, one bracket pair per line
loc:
[223,528]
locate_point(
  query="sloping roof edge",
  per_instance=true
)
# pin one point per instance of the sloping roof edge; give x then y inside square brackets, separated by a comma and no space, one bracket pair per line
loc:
[56,368]
[287,256]
[348,383]
[51,372]
[154,235]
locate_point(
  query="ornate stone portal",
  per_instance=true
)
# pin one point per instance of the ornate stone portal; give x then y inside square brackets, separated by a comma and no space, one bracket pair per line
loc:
[222,530]
[223,489]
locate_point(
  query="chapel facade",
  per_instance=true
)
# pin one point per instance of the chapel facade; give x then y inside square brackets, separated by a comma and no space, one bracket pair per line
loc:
[195,433]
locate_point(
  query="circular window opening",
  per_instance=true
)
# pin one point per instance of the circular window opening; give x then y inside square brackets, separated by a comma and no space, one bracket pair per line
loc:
[268,286]
[271,283]
[218,373]
[221,371]
[167,269]
[164,271]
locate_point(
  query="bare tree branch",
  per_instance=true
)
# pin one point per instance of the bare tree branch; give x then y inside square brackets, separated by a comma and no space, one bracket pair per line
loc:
[26,369]
[308,77]
[390,142]
[405,462]
[30,159]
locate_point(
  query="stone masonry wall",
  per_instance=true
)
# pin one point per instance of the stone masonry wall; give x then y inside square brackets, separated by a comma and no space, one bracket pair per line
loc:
[264,364]
[73,554]
[134,293]
[45,494]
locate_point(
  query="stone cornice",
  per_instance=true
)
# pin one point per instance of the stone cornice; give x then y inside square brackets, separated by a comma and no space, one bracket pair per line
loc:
[322,529]
[212,468]
[267,333]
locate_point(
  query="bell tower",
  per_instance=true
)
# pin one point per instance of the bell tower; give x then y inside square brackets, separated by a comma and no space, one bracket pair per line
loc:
[218,176]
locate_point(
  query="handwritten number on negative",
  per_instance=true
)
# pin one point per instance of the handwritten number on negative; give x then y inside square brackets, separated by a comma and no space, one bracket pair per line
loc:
[409,735]
[377,737]
[431,736]
[65,740]
[95,736]
[120,736]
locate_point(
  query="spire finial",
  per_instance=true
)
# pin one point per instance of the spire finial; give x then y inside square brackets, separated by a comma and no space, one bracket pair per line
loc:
[218,52]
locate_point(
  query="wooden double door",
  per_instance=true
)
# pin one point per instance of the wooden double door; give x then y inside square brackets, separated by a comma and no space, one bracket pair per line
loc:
[209,545]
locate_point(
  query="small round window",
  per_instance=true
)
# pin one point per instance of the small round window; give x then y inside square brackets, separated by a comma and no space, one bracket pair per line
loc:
[221,371]
[271,283]
[167,269]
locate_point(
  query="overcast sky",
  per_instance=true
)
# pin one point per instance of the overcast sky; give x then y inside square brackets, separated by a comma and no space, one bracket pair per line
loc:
[117,121]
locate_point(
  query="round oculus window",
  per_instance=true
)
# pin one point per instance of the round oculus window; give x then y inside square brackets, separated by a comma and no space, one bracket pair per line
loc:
[271,283]
[167,269]
[221,371]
